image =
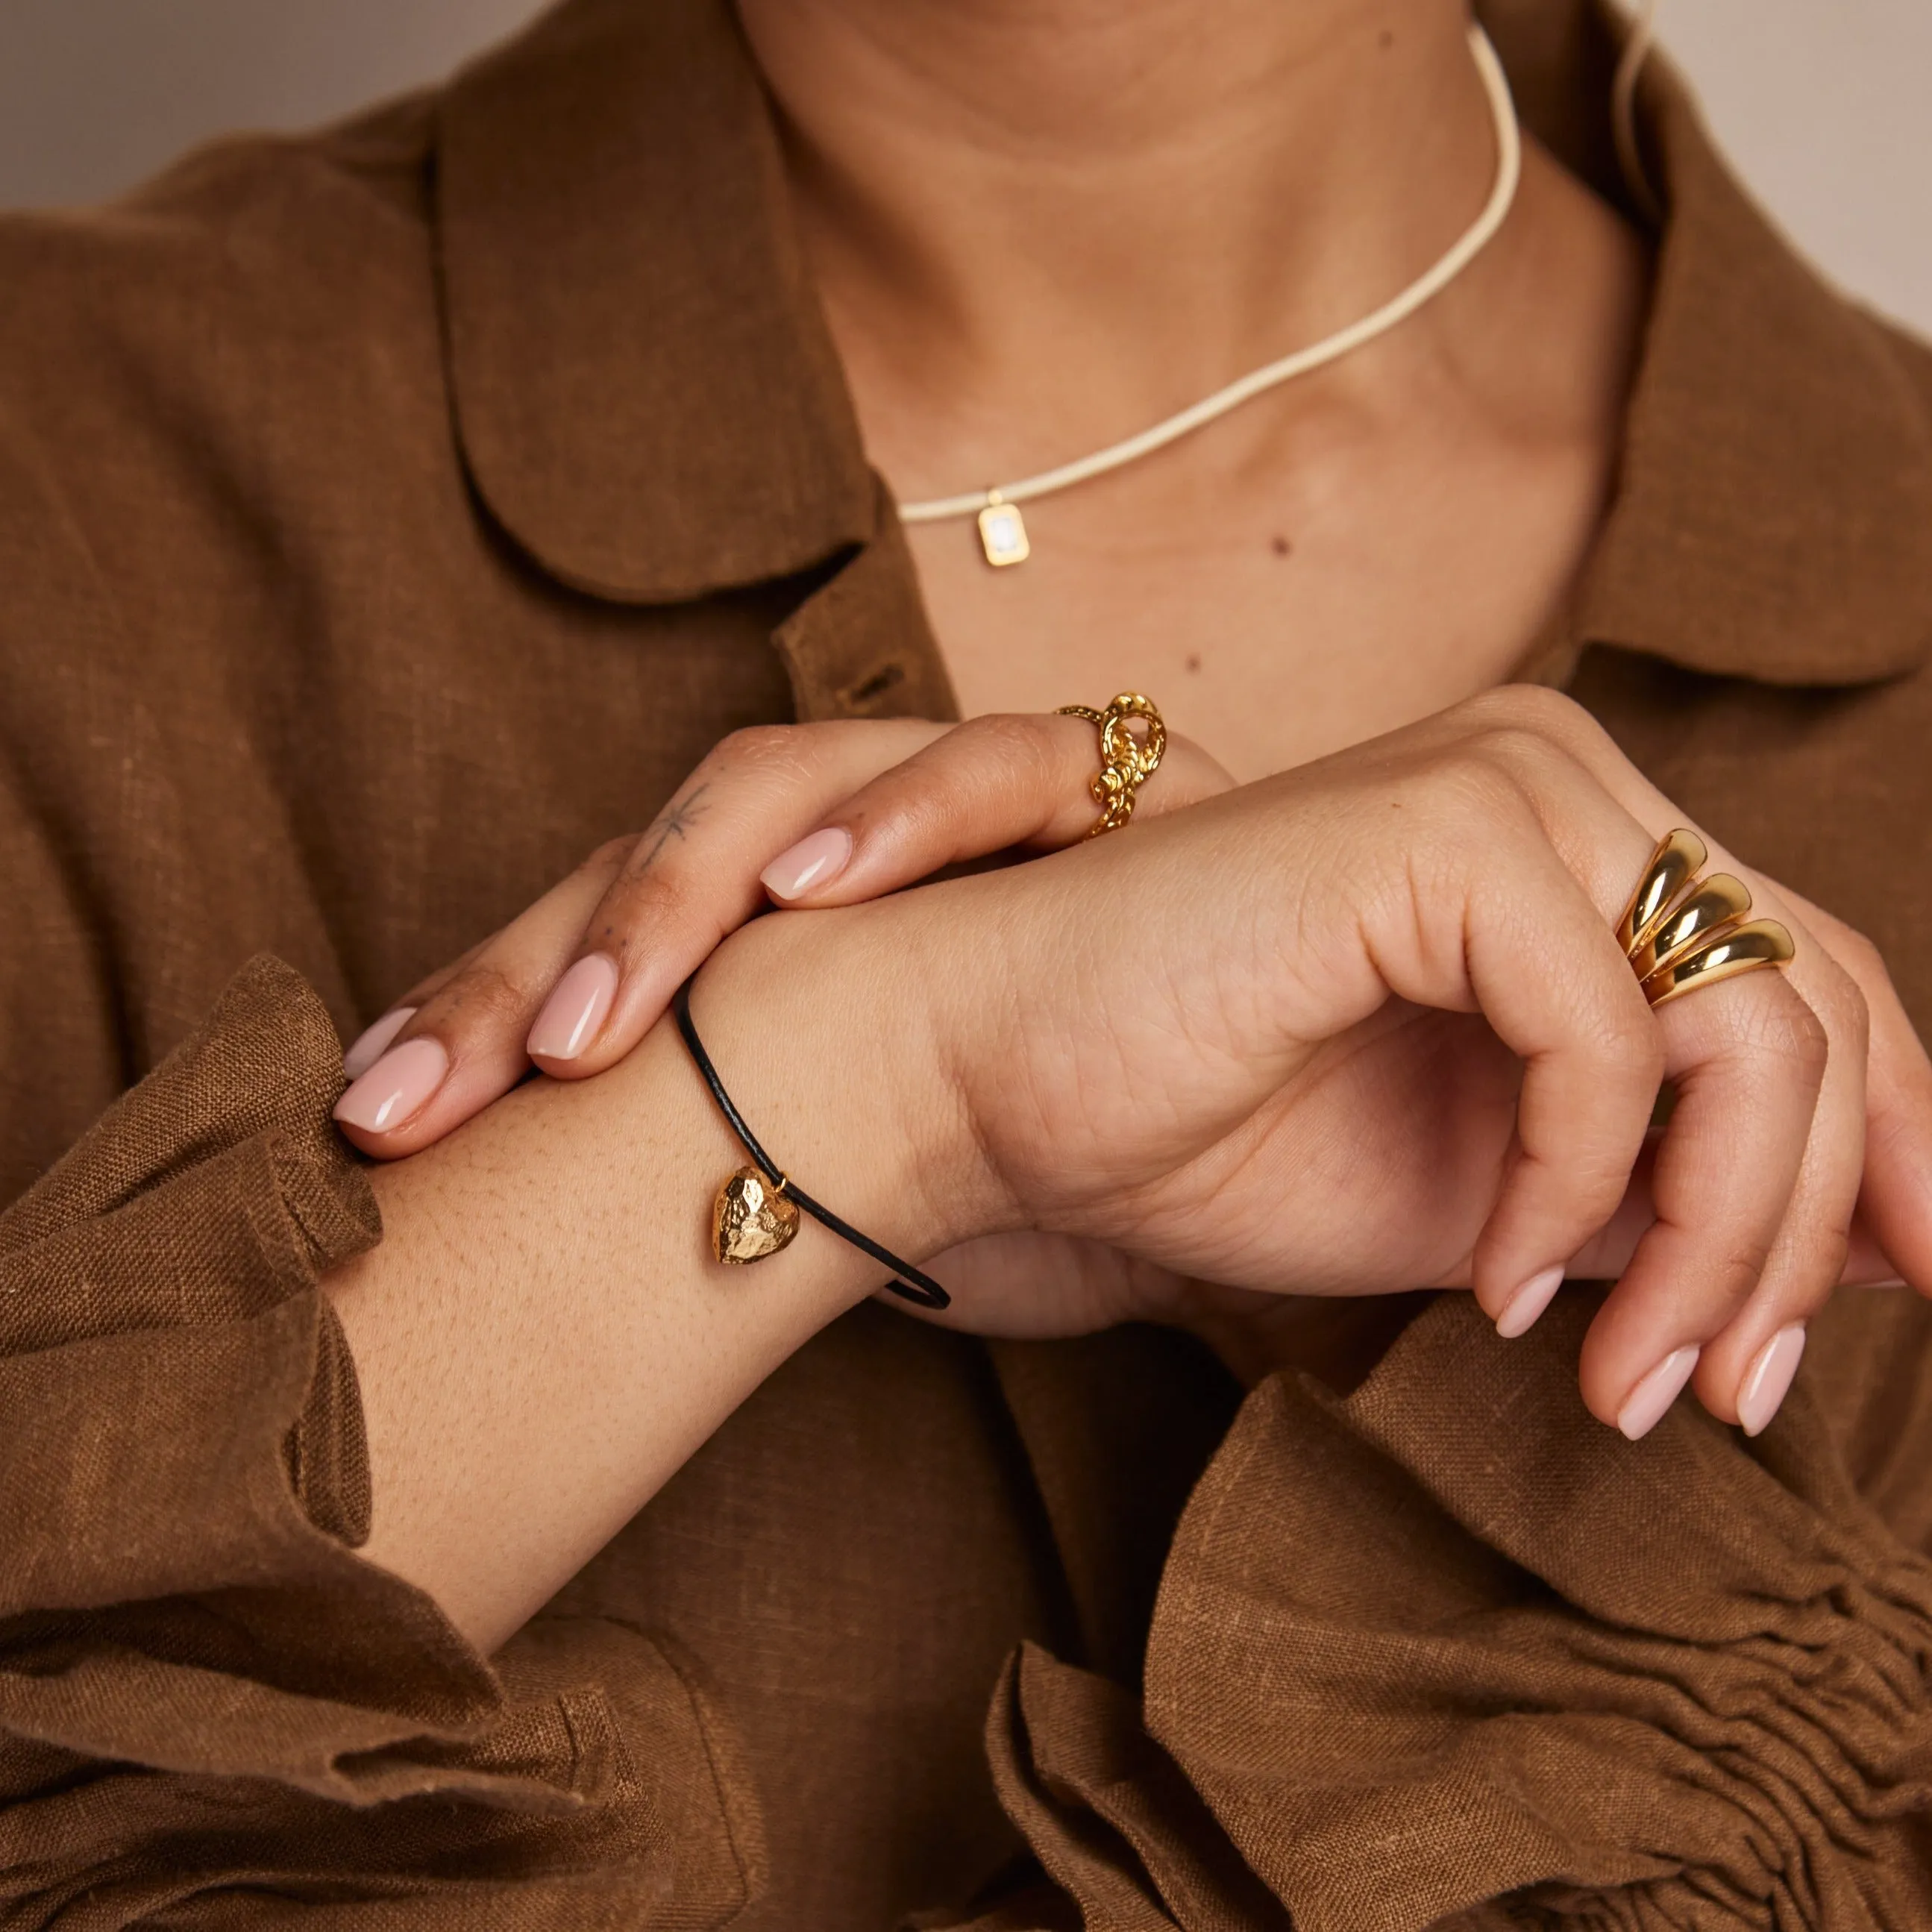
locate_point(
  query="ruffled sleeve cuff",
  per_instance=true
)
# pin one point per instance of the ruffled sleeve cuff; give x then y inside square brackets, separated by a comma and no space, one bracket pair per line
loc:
[1448,1653]
[204,1694]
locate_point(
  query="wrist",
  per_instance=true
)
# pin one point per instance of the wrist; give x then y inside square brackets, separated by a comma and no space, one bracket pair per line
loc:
[824,1032]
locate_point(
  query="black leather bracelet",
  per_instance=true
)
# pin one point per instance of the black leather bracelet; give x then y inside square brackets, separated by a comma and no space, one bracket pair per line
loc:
[915,1286]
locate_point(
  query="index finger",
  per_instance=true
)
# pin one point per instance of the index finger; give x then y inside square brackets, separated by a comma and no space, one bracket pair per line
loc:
[1003,781]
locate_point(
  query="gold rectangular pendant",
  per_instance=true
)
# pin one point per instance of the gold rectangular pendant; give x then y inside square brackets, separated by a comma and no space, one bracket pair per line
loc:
[1002,533]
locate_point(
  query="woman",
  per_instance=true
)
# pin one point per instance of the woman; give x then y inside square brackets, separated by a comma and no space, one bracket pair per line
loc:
[291,666]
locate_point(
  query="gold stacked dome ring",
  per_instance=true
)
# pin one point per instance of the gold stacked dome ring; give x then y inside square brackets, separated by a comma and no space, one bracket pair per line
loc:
[1682,930]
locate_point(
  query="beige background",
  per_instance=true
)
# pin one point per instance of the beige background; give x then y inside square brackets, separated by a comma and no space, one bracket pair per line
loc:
[1826,104]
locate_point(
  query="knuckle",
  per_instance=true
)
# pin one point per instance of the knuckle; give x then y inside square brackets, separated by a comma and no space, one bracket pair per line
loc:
[1591,1173]
[1836,997]
[1737,1267]
[657,908]
[1848,1015]
[1535,710]
[1787,1031]
[1596,1191]
[1024,740]
[1002,756]
[609,857]
[1539,762]
[486,996]
[1502,704]
[750,741]
[1544,734]
[1861,959]
[1628,1036]
[1029,750]
[664,893]
[1831,1249]
[1476,792]
[778,749]
[1609,1024]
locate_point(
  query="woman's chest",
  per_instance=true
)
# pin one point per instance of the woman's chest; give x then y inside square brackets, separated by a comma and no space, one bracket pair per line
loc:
[1279,616]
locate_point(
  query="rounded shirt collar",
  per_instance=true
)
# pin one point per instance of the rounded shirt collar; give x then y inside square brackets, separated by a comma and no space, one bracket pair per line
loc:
[648,401]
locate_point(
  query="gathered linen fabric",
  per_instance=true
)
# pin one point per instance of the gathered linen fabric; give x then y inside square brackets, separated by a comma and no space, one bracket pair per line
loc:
[1432,1655]
[390,516]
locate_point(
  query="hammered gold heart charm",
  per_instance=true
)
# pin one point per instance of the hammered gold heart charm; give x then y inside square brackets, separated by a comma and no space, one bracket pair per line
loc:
[751,1219]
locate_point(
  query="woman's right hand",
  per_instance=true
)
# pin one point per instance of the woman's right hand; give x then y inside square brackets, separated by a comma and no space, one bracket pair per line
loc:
[1366,1027]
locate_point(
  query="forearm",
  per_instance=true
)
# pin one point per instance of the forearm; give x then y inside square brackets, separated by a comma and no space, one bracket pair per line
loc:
[544,1337]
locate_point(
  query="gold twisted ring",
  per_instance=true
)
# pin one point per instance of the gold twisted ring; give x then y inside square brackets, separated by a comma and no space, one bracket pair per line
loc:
[1681,930]
[1126,763]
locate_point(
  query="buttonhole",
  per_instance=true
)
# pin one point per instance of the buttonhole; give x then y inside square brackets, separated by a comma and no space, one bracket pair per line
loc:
[876,686]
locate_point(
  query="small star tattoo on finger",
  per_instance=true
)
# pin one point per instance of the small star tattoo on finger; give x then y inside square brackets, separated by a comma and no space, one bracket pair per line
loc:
[674,822]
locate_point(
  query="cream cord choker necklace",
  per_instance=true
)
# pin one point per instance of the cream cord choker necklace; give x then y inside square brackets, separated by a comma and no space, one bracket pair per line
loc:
[1003,532]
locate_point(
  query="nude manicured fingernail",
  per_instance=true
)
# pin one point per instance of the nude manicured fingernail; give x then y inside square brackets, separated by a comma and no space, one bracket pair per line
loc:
[1767,1380]
[1652,1396]
[395,1088]
[367,1048]
[574,1013]
[1520,1311]
[815,860]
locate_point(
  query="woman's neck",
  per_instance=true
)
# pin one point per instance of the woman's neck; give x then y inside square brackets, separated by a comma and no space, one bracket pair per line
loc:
[1038,224]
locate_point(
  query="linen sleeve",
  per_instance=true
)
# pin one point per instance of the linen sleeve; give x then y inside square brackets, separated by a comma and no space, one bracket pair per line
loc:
[209,1705]
[1445,1654]
[213,1712]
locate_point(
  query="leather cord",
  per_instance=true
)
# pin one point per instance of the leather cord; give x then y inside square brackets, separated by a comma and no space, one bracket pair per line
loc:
[915,1287]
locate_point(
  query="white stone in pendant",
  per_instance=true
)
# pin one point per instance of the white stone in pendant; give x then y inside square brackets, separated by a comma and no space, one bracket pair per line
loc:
[1002,533]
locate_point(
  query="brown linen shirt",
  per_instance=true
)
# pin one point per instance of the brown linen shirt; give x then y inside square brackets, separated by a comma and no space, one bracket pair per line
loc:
[388,517]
